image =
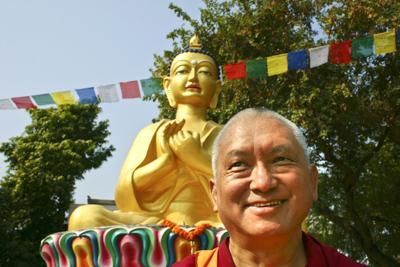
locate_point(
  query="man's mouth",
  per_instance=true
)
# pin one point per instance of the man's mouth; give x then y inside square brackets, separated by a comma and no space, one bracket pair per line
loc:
[272,203]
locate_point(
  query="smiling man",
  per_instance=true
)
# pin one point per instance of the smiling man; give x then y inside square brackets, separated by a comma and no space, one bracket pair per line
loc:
[263,188]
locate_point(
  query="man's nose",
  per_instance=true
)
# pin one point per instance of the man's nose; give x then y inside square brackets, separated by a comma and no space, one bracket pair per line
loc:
[262,179]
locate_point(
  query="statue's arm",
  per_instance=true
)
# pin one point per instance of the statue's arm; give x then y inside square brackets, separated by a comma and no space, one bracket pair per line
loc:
[142,167]
[153,172]
[157,165]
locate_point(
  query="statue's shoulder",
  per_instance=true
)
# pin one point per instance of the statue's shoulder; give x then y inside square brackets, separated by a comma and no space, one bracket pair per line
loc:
[212,126]
[151,129]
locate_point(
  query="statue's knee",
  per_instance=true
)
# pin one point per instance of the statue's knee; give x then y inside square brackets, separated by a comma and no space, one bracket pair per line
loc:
[86,216]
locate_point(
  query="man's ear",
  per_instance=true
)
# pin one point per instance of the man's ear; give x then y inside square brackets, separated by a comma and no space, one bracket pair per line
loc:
[314,181]
[168,92]
[214,100]
[213,189]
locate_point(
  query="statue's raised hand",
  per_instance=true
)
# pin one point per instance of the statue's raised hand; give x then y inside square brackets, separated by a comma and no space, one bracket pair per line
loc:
[186,145]
[170,129]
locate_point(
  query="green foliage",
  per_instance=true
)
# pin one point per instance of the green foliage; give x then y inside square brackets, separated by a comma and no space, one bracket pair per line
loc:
[350,113]
[56,149]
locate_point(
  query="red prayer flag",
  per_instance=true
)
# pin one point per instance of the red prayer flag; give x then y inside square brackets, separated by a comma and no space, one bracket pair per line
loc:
[340,52]
[235,71]
[130,89]
[23,102]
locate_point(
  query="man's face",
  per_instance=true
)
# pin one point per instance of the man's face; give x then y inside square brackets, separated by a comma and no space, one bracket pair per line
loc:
[264,186]
[193,79]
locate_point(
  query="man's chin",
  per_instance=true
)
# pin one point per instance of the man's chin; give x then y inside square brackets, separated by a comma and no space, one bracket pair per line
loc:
[264,229]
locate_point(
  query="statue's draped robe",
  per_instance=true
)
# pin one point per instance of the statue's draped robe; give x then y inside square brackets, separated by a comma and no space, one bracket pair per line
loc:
[174,187]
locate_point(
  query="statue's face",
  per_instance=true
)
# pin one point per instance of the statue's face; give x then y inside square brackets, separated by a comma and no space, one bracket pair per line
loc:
[193,80]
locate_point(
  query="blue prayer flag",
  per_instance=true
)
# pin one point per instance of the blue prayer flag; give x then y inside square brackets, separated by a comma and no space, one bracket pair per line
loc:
[297,60]
[87,95]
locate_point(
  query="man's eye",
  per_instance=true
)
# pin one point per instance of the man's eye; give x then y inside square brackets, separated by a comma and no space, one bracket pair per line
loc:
[280,159]
[236,165]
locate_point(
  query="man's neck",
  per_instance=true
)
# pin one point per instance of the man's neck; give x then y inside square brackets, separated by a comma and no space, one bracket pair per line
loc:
[282,251]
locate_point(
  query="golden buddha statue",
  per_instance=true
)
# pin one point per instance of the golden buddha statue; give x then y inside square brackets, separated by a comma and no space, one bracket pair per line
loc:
[167,171]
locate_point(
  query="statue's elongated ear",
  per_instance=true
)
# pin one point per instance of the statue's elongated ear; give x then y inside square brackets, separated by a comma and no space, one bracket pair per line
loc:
[214,100]
[168,91]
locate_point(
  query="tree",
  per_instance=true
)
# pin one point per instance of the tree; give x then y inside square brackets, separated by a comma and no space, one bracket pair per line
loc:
[350,113]
[56,149]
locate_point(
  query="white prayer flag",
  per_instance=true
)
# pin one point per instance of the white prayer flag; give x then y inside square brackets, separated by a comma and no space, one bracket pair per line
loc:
[319,56]
[107,93]
[6,104]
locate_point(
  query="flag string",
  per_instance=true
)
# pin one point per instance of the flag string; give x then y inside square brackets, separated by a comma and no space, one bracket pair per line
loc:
[335,53]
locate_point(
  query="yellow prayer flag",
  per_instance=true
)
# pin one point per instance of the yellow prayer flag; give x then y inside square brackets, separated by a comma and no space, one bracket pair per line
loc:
[277,64]
[385,42]
[64,97]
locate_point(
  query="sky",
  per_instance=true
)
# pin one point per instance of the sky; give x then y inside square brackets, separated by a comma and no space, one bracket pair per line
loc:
[48,46]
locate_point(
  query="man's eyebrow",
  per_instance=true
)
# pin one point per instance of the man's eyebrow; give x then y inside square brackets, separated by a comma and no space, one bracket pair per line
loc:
[281,148]
[235,152]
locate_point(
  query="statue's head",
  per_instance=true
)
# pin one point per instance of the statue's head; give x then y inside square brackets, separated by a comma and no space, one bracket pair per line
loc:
[193,78]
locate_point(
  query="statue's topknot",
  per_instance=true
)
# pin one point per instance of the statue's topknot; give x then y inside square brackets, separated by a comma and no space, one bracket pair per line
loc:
[194,42]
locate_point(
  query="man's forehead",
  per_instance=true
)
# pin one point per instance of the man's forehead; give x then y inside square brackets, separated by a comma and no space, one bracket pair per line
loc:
[240,134]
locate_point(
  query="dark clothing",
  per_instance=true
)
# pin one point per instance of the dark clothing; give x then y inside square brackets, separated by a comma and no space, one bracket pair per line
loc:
[318,255]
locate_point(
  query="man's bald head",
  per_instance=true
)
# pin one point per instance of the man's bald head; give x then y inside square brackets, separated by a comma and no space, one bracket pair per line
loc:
[246,117]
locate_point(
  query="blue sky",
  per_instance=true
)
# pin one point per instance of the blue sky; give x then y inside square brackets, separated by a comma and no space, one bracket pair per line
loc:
[48,46]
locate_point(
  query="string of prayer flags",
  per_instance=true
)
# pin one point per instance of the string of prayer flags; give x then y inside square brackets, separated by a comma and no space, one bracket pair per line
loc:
[63,97]
[256,68]
[130,89]
[337,53]
[318,56]
[150,86]
[297,60]
[87,95]
[6,104]
[235,71]
[43,99]
[23,102]
[107,93]
[362,47]
[385,42]
[277,64]
[340,52]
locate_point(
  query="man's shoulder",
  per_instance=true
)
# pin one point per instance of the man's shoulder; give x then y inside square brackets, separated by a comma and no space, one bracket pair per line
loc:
[319,253]
[203,258]
[189,261]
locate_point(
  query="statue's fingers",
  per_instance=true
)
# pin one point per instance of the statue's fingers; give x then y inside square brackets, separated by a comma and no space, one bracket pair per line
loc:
[196,135]
[182,135]
[175,140]
[167,130]
[174,127]
[181,123]
[172,143]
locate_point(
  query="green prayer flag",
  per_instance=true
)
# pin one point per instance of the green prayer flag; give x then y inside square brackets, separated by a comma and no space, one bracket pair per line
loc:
[362,47]
[150,86]
[43,99]
[256,68]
